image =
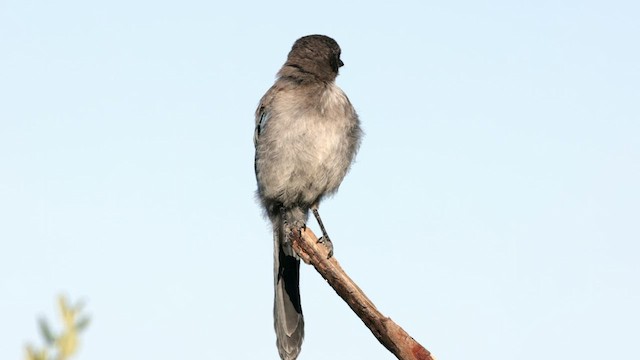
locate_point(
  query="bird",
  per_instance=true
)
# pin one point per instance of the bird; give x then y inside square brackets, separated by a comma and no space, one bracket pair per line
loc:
[306,137]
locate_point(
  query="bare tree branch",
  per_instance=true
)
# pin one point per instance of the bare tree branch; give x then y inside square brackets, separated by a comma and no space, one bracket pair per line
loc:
[392,336]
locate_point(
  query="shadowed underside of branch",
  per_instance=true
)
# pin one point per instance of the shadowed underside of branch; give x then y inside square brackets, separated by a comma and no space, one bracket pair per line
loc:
[392,336]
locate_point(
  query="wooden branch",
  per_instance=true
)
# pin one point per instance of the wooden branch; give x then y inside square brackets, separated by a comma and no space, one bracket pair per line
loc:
[388,333]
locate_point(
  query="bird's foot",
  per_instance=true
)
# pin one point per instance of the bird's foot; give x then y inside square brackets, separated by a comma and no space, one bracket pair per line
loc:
[324,240]
[298,226]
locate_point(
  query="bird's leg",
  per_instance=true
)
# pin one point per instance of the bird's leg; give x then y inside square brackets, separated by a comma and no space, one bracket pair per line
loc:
[325,237]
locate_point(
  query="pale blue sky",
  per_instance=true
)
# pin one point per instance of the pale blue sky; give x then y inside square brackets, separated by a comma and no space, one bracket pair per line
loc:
[493,210]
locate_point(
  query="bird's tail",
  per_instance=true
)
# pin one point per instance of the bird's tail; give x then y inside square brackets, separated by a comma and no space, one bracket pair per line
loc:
[287,312]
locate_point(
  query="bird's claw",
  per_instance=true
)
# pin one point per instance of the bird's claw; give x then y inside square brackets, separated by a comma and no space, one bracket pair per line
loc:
[324,240]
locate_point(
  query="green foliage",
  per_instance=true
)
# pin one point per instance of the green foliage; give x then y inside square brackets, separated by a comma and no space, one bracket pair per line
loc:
[64,344]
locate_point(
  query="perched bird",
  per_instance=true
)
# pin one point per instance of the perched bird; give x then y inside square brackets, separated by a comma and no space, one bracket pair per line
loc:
[306,137]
